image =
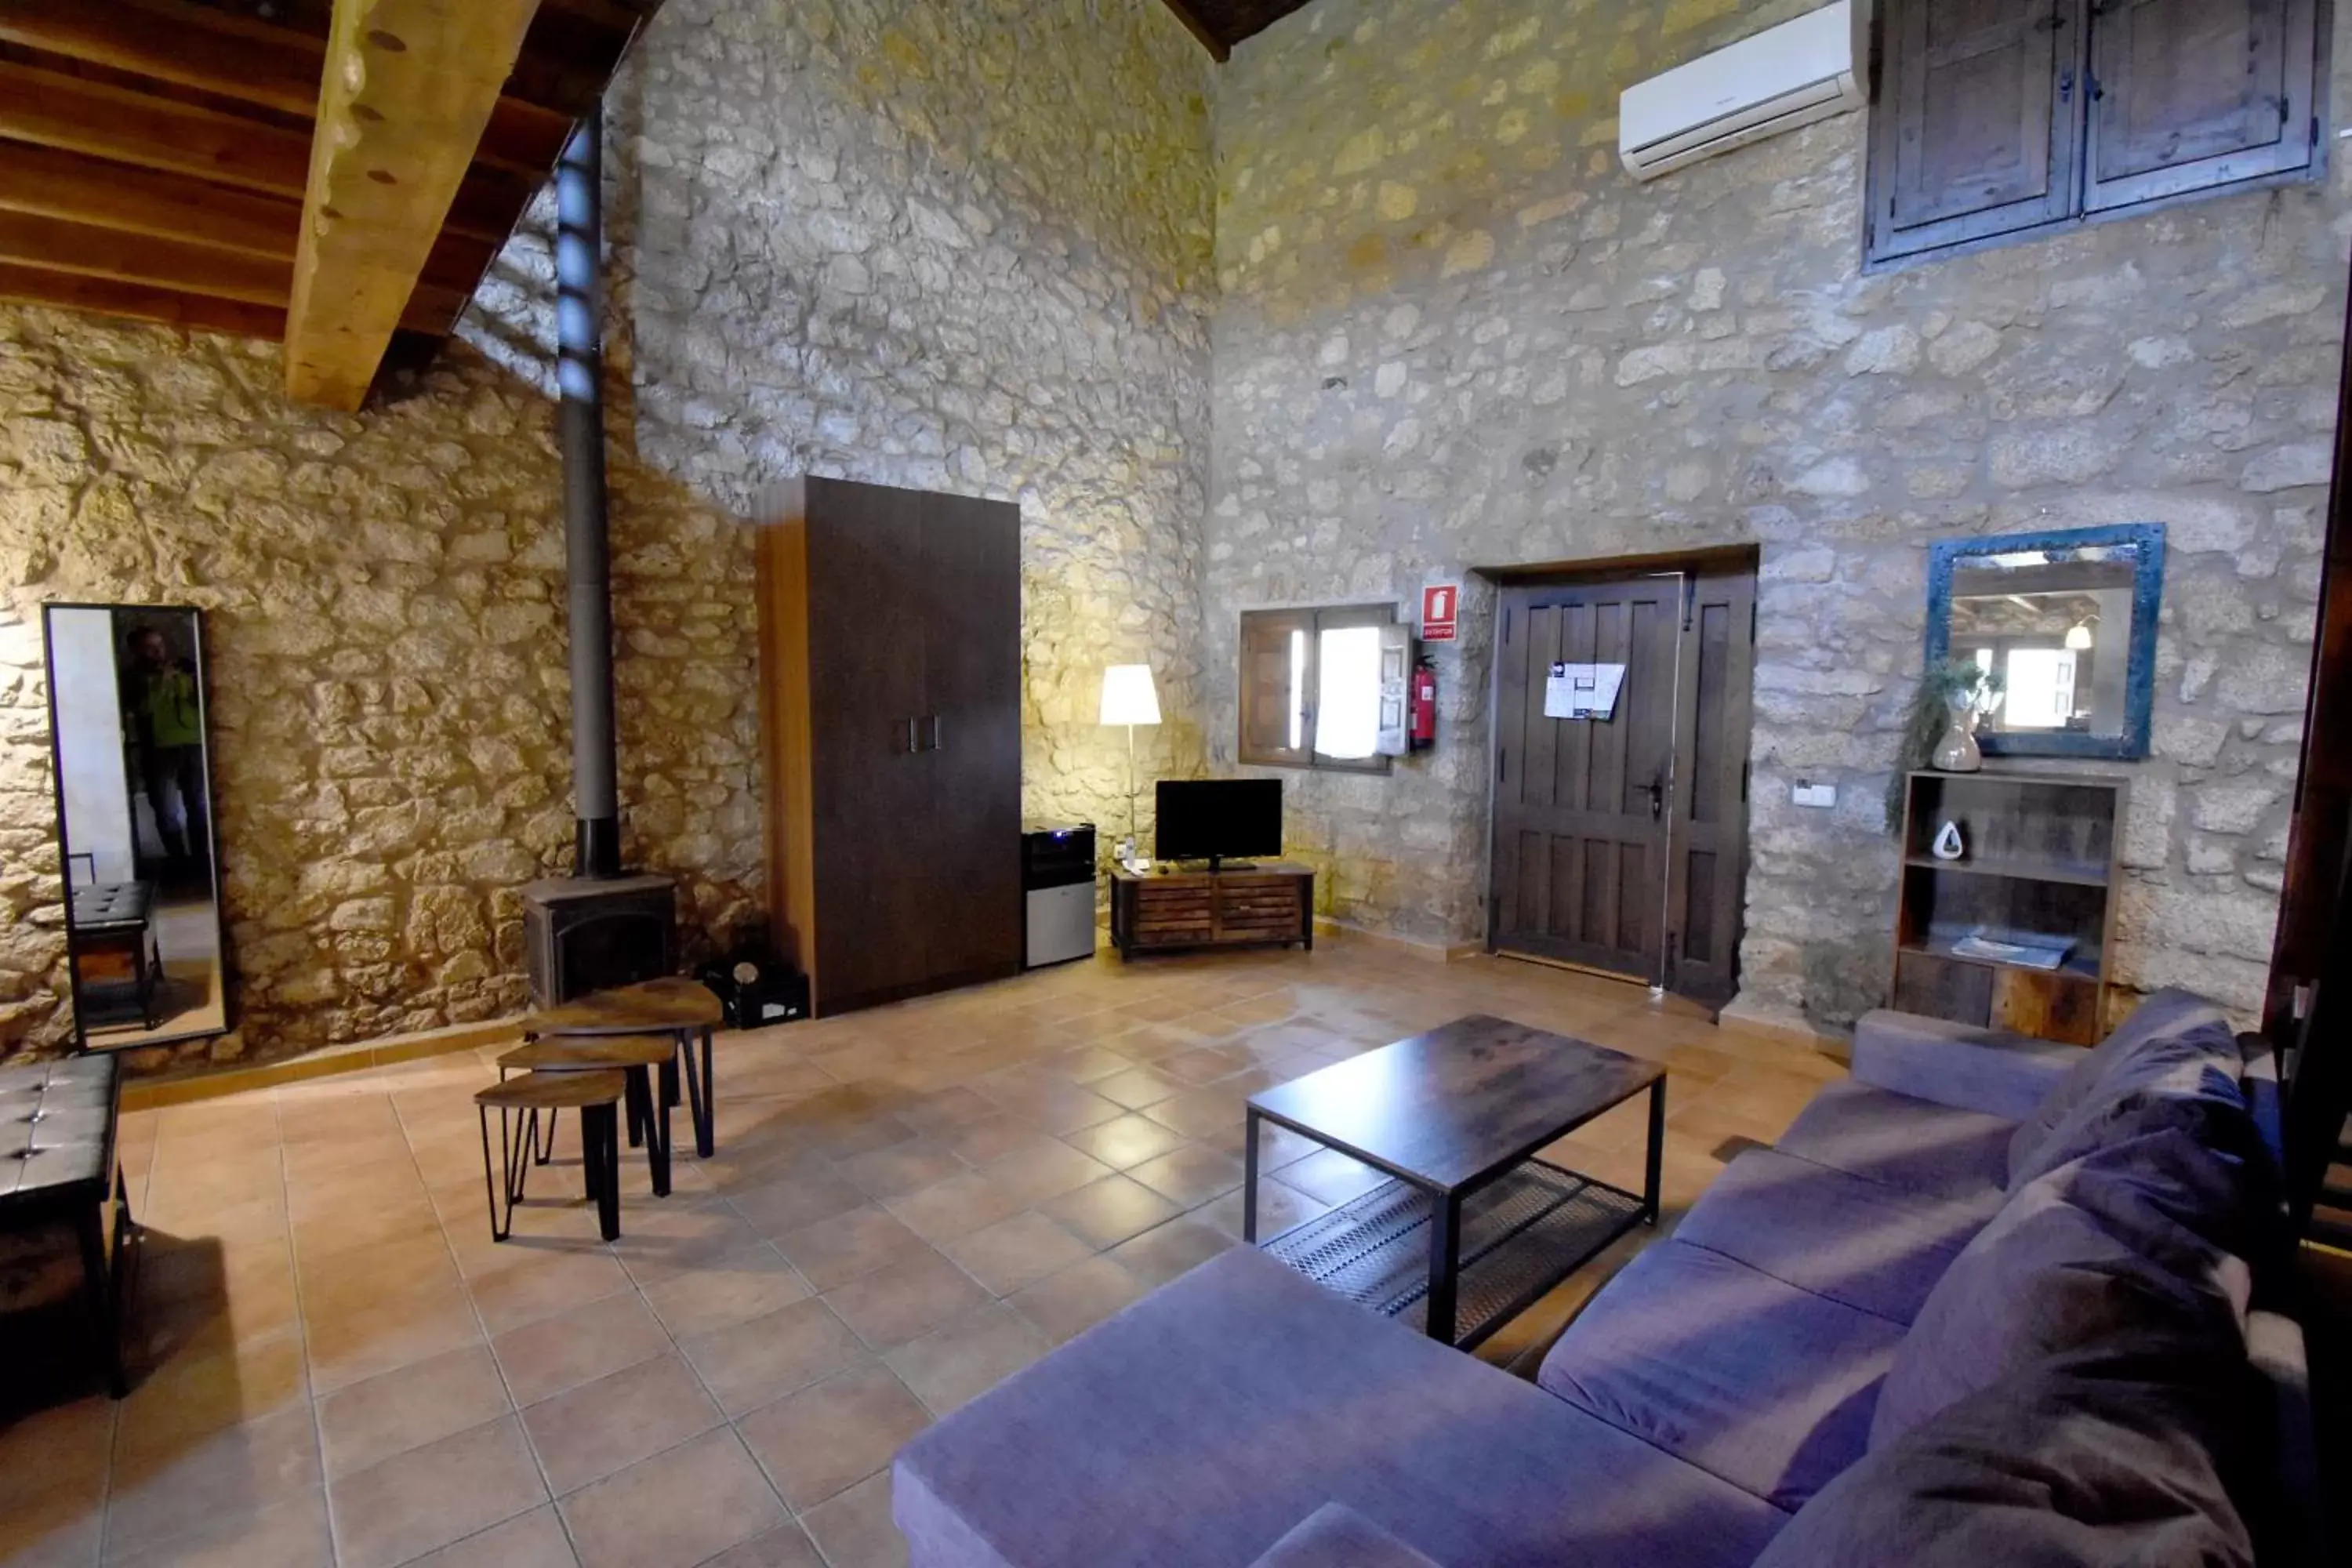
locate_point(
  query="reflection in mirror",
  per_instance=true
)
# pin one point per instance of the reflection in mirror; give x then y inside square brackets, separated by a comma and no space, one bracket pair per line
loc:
[127,707]
[2068,621]
[2040,625]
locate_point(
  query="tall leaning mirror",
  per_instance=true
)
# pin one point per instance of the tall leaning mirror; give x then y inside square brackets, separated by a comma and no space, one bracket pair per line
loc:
[127,725]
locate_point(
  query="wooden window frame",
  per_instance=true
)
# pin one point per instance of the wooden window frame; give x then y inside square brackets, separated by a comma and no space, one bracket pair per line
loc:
[1887,250]
[1314,620]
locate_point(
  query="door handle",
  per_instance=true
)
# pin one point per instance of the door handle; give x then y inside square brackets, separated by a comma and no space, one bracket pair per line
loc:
[935,733]
[1657,787]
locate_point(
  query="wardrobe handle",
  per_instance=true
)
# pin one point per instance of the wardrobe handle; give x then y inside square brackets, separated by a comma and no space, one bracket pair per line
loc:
[911,747]
[935,733]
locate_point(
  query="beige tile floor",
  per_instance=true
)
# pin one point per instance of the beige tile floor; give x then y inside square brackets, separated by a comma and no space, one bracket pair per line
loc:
[336,1365]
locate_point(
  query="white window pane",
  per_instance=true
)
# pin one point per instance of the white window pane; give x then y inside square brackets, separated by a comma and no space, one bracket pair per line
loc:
[1348,695]
[1297,689]
[2041,689]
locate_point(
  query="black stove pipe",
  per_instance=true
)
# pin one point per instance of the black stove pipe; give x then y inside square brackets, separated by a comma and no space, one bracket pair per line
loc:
[587,546]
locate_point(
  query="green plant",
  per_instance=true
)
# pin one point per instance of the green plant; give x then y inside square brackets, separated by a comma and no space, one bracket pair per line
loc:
[1952,684]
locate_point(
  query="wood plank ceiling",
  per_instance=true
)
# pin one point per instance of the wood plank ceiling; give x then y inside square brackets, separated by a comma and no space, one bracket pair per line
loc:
[154,154]
[1221,23]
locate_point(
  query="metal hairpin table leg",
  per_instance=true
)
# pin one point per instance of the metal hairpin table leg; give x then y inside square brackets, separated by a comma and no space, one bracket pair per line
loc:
[600,1138]
[706,1126]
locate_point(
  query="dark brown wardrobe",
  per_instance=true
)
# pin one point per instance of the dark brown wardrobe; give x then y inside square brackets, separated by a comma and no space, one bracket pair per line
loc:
[890,718]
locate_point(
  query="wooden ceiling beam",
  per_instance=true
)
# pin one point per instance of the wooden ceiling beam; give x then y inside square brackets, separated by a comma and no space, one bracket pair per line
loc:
[50,183]
[408,91]
[565,61]
[1210,41]
[176,42]
[51,110]
[57,246]
[136,302]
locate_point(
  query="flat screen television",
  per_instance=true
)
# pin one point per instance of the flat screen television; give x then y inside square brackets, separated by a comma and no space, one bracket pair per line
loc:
[1218,819]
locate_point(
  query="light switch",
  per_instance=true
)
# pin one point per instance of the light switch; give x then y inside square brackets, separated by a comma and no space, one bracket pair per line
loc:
[1821,795]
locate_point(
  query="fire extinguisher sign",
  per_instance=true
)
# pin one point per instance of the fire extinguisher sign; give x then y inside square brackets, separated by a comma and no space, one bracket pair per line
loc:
[1439,604]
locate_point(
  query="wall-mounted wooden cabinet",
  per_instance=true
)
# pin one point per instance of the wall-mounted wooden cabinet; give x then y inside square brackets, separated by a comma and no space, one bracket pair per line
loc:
[2036,874]
[1996,119]
[890,708]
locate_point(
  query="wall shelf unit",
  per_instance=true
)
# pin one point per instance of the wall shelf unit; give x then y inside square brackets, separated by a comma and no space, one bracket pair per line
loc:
[2038,865]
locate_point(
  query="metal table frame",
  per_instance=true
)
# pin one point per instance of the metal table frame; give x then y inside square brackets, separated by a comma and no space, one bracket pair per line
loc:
[1446,1227]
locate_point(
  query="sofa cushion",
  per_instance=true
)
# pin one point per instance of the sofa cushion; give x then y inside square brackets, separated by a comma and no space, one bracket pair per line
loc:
[1205,1421]
[1853,1240]
[1744,1375]
[2085,1461]
[2173,1063]
[1336,1536]
[2083,1257]
[1914,1144]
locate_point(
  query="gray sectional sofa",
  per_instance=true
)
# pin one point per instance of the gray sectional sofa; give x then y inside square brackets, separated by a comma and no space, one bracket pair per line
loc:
[1989,1300]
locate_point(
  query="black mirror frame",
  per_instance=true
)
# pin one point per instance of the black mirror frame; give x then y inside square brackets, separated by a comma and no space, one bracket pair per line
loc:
[212,823]
[2139,677]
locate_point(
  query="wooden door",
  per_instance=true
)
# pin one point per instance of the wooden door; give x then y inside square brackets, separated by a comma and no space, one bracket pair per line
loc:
[2188,94]
[1708,840]
[870,791]
[1580,805]
[971,736]
[1976,118]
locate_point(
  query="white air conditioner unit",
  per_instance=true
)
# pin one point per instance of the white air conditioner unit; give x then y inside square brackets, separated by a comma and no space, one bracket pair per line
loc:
[1785,76]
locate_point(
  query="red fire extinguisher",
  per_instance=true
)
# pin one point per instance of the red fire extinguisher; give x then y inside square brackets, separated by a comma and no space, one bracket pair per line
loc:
[1421,719]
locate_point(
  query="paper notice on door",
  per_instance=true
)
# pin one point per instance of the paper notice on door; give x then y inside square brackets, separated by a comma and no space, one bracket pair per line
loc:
[1583,691]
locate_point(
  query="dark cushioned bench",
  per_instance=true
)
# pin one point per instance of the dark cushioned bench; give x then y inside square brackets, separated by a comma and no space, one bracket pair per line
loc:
[58,1168]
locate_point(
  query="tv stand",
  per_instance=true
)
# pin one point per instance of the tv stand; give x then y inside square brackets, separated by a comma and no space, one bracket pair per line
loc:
[1230,905]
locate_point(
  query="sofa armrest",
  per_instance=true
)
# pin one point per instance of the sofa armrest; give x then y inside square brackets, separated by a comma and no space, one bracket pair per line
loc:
[1336,1536]
[1957,1065]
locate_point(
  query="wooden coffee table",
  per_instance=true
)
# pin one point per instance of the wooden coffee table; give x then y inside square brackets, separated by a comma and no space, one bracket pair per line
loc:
[1473,1228]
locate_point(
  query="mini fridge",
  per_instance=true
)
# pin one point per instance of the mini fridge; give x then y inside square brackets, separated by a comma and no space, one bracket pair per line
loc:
[1058,886]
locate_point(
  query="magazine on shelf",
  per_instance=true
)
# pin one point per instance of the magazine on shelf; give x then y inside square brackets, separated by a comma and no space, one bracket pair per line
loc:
[2032,951]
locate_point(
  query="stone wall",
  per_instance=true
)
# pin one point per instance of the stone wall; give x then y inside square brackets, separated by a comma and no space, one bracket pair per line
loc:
[1455,334]
[383,598]
[918,242]
[948,246]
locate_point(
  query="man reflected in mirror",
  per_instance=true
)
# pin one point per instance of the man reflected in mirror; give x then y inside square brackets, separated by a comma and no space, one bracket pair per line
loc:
[163,716]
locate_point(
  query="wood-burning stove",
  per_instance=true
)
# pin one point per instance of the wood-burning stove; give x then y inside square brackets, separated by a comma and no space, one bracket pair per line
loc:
[583,934]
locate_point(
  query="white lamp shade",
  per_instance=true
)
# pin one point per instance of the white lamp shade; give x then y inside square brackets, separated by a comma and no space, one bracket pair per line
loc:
[2078,637]
[1127,697]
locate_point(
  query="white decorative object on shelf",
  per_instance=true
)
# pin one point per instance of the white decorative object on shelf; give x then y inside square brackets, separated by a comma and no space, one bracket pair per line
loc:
[1947,845]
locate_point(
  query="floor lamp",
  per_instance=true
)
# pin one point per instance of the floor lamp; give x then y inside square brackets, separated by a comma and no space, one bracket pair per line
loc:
[1128,699]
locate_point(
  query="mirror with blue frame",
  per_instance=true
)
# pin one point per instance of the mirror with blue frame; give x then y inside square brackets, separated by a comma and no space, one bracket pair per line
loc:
[2067,620]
